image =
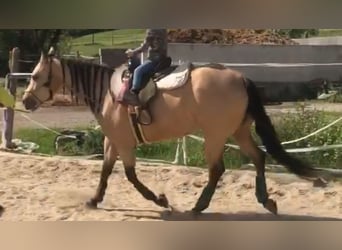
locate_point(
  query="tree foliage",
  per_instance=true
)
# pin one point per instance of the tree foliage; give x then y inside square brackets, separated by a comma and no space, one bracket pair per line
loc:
[84,32]
[29,41]
[32,41]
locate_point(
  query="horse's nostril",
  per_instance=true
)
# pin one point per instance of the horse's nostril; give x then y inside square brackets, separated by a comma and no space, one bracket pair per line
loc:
[29,103]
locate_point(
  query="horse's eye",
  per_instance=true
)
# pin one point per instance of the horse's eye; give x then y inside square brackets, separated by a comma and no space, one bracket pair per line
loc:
[34,77]
[47,84]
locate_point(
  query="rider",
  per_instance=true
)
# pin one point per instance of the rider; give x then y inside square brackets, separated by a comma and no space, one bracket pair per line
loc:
[156,44]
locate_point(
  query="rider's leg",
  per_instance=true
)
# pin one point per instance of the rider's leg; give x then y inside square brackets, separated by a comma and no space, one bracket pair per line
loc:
[139,72]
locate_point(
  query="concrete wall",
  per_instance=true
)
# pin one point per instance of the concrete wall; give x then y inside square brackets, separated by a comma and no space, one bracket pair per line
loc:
[256,53]
[286,72]
[267,63]
[330,40]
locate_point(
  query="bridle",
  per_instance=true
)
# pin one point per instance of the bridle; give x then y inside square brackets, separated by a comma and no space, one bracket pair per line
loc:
[46,84]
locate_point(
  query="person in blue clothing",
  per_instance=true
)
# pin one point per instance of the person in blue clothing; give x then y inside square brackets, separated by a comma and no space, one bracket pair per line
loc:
[155,44]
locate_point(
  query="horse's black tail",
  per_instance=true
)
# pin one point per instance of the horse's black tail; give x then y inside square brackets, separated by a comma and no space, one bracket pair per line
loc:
[267,133]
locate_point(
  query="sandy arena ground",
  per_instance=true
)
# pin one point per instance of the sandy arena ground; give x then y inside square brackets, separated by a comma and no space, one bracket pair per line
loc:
[42,188]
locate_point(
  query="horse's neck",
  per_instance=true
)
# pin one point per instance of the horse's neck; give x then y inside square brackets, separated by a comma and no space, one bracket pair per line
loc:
[91,92]
[116,83]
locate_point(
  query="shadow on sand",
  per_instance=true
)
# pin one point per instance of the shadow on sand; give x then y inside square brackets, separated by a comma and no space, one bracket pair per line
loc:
[208,216]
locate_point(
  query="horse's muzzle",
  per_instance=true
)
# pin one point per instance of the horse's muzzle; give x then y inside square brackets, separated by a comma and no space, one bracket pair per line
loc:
[30,103]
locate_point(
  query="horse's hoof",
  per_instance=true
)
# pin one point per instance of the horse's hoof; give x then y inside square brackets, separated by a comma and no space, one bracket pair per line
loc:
[271,206]
[196,212]
[162,201]
[173,209]
[1,210]
[92,204]
[200,207]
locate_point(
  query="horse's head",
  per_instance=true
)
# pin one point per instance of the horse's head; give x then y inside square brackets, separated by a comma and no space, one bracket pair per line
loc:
[46,80]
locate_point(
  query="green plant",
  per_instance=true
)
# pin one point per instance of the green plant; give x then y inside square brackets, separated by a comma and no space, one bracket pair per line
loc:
[299,33]
[93,143]
[304,122]
[42,137]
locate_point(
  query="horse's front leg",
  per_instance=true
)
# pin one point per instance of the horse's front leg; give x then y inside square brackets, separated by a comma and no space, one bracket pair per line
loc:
[110,156]
[128,159]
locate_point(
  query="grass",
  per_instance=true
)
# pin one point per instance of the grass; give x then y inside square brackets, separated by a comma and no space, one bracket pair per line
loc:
[42,137]
[2,82]
[330,32]
[128,38]
[162,151]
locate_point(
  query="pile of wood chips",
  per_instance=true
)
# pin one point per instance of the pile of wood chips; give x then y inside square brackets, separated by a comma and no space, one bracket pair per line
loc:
[228,36]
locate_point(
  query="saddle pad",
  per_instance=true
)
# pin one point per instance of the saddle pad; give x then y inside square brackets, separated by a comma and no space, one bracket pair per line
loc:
[177,78]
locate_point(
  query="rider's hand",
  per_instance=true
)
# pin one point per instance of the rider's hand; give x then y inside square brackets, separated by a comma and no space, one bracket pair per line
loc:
[129,53]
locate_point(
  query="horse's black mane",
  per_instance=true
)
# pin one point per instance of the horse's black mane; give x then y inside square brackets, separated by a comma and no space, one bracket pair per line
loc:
[86,63]
[90,80]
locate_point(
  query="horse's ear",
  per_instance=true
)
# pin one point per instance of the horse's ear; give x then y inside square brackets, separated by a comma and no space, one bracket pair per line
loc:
[51,51]
[43,56]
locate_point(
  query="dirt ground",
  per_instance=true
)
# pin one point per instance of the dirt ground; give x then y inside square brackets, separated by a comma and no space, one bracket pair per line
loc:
[36,188]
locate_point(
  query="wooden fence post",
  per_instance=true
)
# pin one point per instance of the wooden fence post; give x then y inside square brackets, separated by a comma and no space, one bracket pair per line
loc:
[8,114]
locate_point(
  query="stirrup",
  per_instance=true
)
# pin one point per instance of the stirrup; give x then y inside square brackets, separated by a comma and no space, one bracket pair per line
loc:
[131,99]
[144,117]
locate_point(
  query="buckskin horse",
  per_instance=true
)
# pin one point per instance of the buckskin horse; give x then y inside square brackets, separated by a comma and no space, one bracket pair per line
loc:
[218,101]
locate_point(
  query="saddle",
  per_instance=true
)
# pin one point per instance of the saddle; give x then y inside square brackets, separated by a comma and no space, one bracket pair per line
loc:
[164,77]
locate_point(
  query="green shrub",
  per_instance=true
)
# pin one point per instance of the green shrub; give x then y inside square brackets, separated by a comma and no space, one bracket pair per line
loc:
[93,143]
[296,125]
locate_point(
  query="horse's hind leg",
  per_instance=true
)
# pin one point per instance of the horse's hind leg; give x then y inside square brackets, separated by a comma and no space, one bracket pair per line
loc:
[213,153]
[248,146]
[128,160]
[110,156]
